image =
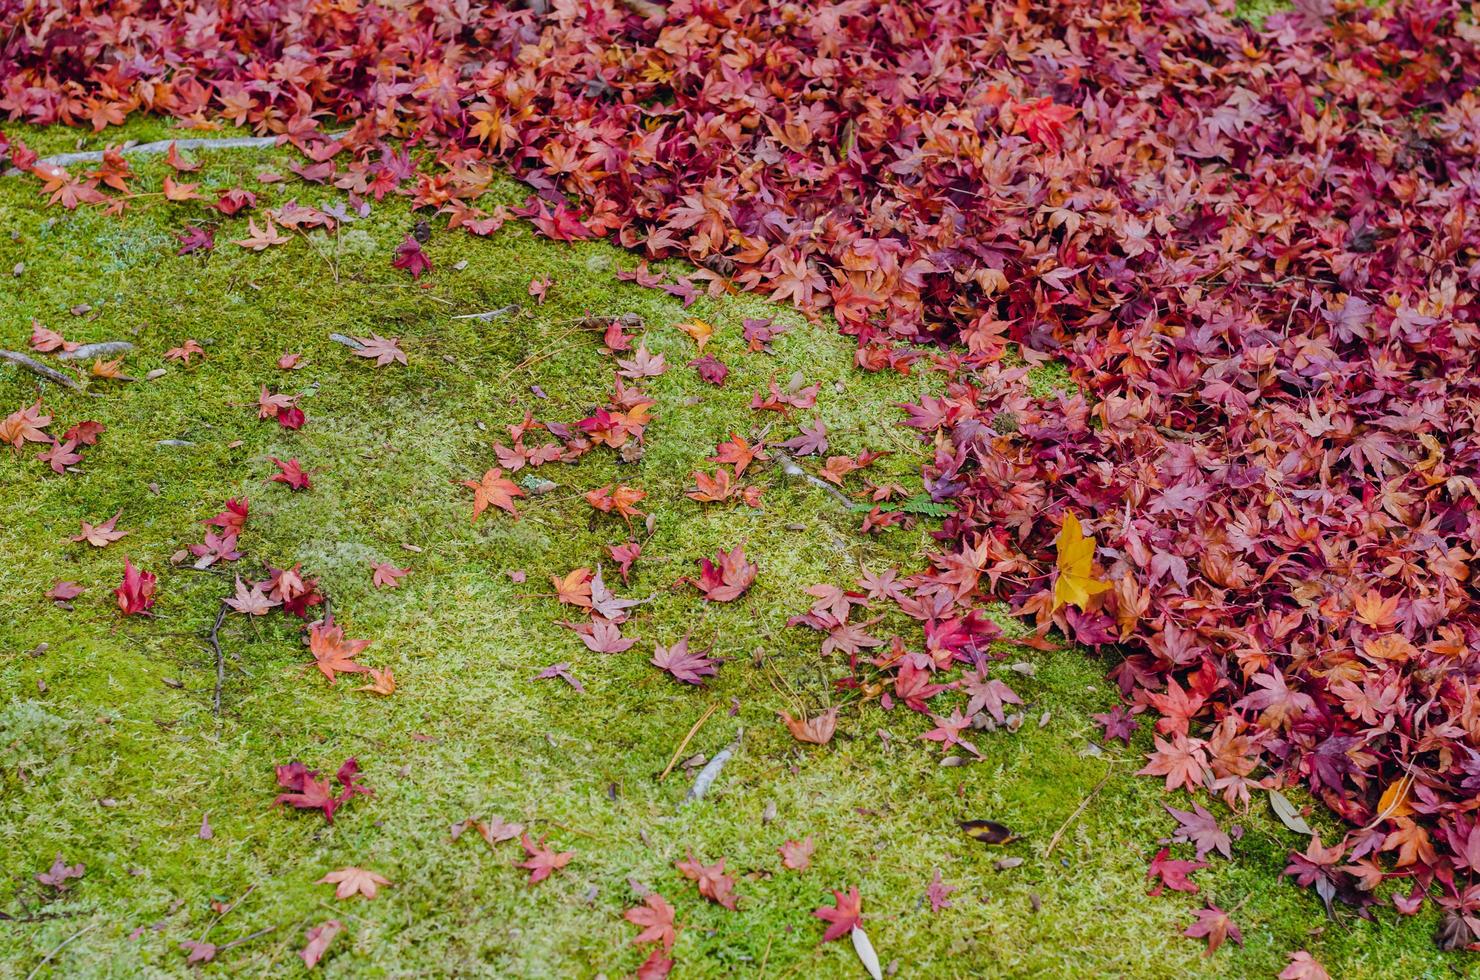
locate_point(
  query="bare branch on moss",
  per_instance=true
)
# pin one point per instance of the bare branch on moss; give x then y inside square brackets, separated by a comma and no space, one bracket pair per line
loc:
[42,371]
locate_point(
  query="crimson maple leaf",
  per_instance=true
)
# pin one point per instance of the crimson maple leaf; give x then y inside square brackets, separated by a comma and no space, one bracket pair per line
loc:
[844,917]
[1169,873]
[689,666]
[292,473]
[136,594]
[727,577]
[84,433]
[306,791]
[410,257]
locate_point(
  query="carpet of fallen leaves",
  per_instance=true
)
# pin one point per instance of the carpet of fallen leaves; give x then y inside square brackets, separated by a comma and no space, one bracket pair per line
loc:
[1255,250]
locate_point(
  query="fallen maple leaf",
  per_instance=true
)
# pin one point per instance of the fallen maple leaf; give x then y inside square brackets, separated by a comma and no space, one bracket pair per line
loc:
[815,731]
[101,535]
[136,594]
[61,457]
[655,917]
[63,591]
[711,370]
[384,351]
[493,830]
[699,330]
[410,257]
[494,490]
[844,917]
[1173,874]
[797,855]
[25,425]
[619,498]
[689,666]
[306,791]
[292,473]
[382,682]
[84,433]
[384,575]
[1214,925]
[713,883]
[354,881]
[1303,966]
[727,580]
[261,238]
[251,601]
[1076,581]
[184,352]
[319,939]
[45,341]
[655,967]
[332,652]
[542,861]
[60,872]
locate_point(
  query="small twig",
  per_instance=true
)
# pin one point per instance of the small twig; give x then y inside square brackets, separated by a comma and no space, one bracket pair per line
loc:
[61,946]
[790,468]
[1058,834]
[245,939]
[489,314]
[42,371]
[685,743]
[215,641]
[227,911]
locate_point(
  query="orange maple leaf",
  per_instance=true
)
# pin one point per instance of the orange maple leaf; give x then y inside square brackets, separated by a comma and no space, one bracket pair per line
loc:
[494,490]
[332,653]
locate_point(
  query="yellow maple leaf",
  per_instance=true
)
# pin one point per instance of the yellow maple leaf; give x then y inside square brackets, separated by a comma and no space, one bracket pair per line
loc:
[1076,582]
[699,330]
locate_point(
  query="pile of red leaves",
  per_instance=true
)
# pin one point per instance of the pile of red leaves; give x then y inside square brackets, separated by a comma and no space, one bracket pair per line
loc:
[1255,250]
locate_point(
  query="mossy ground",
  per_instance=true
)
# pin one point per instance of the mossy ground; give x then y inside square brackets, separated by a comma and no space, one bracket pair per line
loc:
[107,764]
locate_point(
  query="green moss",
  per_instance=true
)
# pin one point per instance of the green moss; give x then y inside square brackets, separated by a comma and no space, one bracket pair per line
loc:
[114,754]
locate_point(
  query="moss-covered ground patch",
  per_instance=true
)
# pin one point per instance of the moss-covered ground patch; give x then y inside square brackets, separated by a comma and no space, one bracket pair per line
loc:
[113,753]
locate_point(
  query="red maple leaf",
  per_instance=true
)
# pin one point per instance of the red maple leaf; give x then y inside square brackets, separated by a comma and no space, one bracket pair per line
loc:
[727,577]
[1173,874]
[542,861]
[713,883]
[844,916]
[136,594]
[410,257]
[689,666]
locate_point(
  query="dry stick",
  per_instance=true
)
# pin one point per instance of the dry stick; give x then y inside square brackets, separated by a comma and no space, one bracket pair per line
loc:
[61,946]
[245,939]
[42,371]
[684,744]
[215,641]
[1058,834]
[162,146]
